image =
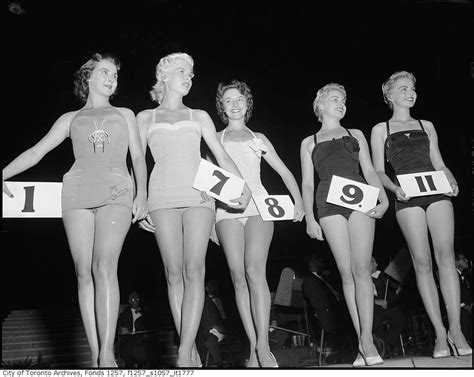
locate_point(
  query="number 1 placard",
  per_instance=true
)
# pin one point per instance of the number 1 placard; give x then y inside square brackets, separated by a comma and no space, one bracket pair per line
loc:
[274,207]
[352,194]
[421,184]
[218,183]
[33,199]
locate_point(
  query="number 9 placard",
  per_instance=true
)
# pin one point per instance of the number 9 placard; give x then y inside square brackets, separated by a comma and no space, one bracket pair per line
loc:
[274,207]
[33,199]
[352,194]
[218,183]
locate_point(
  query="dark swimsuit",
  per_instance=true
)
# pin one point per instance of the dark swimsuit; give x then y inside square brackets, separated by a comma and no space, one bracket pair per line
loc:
[409,152]
[335,157]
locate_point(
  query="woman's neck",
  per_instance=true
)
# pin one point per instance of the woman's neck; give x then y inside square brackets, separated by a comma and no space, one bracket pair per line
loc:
[236,125]
[172,101]
[94,101]
[330,124]
[401,114]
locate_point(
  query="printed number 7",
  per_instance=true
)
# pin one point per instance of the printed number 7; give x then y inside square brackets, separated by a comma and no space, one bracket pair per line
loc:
[217,188]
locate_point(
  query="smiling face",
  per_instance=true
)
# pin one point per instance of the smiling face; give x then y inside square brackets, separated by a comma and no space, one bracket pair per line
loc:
[403,93]
[179,77]
[103,79]
[235,104]
[333,105]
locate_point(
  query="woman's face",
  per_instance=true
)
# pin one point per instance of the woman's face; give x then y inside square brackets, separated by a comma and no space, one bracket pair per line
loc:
[180,76]
[333,105]
[403,93]
[104,78]
[235,104]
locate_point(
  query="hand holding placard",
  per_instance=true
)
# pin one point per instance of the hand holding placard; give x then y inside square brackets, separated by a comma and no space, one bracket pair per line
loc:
[218,183]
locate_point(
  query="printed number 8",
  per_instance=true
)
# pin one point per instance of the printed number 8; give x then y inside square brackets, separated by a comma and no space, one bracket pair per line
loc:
[353,193]
[273,208]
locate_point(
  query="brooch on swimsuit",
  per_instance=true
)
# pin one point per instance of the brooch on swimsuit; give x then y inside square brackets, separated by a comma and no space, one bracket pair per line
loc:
[99,136]
[258,146]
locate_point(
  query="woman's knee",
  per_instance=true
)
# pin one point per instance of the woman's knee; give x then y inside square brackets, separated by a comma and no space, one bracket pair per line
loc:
[422,264]
[360,270]
[104,267]
[84,274]
[255,273]
[239,279]
[193,272]
[174,275]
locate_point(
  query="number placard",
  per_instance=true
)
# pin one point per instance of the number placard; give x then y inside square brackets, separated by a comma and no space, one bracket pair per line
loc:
[218,183]
[352,194]
[274,207]
[33,199]
[427,183]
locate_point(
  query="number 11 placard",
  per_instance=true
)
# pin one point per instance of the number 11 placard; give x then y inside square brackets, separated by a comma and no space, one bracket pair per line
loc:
[352,194]
[427,183]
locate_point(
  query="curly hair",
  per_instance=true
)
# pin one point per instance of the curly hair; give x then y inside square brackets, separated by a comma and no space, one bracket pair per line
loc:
[388,84]
[157,91]
[322,93]
[243,89]
[83,74]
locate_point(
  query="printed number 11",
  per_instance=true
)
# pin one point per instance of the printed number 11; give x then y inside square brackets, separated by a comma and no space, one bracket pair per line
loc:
[429,180]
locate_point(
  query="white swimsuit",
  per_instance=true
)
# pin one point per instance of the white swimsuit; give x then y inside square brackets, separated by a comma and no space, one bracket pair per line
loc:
[247,156]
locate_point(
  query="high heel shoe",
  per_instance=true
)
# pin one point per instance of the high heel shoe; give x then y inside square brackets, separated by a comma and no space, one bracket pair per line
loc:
[275,365]
[458,351]
[439,354]
[359,361]
[370,360]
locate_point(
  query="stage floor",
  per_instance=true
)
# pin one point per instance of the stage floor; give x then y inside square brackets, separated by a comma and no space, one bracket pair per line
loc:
[418,362]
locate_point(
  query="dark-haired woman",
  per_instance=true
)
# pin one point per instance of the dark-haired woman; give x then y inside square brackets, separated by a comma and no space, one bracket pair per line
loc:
[97,196]
[244,236]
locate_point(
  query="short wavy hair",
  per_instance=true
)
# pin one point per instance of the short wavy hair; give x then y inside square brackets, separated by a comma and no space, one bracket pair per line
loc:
[157,91]
[83,74]
[388,84]
[243,89]
[322,94]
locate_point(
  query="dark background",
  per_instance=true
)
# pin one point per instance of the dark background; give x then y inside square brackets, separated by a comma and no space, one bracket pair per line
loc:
[285,51]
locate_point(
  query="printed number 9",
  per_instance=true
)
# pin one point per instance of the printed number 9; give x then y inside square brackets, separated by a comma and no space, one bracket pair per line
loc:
[273,208]
[353,193]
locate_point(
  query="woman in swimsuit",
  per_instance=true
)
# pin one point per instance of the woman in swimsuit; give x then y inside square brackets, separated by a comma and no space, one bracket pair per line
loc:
[244,236]
[350,234]
[180,216]
[97,195]
[411,146]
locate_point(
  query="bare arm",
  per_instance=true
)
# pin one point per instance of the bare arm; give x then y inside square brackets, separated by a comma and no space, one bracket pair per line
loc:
[139,164]
[274,160]
[377,142]
[370,175]
[436,159]
[307,187]
[55,136]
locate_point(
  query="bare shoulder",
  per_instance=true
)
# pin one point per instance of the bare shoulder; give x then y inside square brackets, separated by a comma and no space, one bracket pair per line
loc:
[427,124]
[200,115]
[125,112]
[379,128]
[358,134]
[308,143]
[144,114]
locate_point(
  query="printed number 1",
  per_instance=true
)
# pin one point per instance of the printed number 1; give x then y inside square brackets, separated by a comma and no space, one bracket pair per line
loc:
[29,196]
[217,188]
[429,180]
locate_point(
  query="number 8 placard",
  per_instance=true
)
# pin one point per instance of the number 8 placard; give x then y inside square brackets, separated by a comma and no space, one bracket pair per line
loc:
[218,183]
[275,207]
[352,194]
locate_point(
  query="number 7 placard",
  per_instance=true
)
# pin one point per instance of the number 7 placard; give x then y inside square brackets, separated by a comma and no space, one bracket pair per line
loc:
[427,183]
[352,194]
[218,183]
[33,199]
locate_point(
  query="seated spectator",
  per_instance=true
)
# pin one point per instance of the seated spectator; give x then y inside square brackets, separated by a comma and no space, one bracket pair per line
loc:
[464,269]
[134,338]
[326,301]
[211,328]
[390,317]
